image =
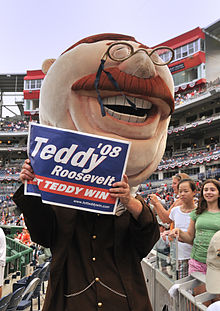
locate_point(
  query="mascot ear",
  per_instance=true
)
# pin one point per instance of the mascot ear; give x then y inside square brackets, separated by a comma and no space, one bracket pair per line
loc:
[46,65]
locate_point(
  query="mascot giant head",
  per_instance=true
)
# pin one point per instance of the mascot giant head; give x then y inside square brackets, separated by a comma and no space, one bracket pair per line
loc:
[113,86]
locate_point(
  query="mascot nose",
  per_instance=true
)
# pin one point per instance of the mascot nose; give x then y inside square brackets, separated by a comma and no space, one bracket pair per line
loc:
[139,65]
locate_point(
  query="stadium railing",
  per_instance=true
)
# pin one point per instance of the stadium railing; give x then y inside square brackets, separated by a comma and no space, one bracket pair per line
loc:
[159,283]
[18,257]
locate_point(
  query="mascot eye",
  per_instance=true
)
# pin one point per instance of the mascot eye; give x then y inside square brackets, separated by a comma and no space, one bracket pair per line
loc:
[120,52]
[161,55]
[156,58]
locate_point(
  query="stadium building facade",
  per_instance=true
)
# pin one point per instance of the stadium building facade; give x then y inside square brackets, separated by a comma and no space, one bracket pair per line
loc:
[193,143]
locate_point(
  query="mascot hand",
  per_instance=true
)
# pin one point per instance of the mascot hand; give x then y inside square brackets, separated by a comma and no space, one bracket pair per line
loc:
[27,172]
[121,190]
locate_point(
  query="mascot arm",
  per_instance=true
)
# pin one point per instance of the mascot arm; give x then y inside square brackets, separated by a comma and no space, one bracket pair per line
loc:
[145,230]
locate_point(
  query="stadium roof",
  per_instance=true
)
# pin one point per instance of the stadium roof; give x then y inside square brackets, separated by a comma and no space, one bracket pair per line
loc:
[12,82]
[213,30]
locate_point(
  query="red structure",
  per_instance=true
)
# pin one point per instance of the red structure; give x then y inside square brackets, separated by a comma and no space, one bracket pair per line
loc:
[188,65]
[32,84]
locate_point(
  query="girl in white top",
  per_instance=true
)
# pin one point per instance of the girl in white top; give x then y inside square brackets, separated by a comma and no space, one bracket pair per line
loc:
[180,216]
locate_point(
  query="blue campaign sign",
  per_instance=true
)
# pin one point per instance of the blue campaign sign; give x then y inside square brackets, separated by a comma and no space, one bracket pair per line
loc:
[74,169]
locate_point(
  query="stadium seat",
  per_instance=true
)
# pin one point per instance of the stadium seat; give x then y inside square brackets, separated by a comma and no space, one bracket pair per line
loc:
[47,276]
[15,299]
[4,302]
[41,276]
[26,300]
[26,280]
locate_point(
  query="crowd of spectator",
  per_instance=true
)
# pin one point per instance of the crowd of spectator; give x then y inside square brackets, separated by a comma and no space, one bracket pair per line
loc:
[13,126]
[23,237]
[190,155]
[166,202]
[6,201]
[10,173]
[9,218]
[9,170]
[181,98]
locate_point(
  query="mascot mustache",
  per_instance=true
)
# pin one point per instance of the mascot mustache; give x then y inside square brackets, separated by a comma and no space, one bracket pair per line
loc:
[117,80]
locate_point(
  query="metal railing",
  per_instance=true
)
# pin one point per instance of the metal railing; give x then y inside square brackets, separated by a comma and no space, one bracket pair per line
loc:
[18,257]
[159,283]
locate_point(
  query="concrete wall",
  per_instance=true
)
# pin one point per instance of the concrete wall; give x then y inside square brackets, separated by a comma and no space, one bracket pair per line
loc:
[212,58]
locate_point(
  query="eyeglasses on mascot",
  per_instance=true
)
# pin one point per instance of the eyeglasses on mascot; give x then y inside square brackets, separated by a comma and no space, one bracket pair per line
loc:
[114,86]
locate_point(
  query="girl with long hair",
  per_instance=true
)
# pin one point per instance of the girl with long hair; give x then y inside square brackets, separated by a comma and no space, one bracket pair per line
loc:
[205,221]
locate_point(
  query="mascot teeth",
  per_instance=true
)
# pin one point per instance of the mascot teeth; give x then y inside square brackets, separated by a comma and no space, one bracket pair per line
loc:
[119,108]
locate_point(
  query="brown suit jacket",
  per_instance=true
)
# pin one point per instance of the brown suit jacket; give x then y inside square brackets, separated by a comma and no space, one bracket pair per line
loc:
[53,227]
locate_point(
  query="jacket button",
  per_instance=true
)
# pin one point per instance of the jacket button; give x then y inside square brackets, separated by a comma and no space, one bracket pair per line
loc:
[93,259]
[99,304]
[94,237]
[97,279]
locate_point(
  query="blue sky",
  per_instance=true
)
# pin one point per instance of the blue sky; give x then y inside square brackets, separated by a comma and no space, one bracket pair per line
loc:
[31,31]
